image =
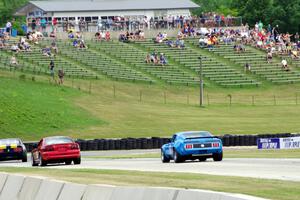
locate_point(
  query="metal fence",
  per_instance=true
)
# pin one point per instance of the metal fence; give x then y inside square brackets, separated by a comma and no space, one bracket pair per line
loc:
[133,25]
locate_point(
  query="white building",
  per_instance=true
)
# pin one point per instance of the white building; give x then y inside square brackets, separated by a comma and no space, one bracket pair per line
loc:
[93,10]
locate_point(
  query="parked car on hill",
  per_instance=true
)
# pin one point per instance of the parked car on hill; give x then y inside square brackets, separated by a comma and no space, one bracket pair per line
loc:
[12,149]
[192,145]
[58,149]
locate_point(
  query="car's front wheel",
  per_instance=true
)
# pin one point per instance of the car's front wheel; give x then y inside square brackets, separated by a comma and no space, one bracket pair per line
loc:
[218,156]
[164,158]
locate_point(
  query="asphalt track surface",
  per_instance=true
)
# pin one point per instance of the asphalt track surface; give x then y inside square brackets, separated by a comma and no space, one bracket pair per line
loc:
[281,169]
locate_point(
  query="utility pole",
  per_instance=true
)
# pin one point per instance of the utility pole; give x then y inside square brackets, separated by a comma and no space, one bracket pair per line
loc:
[201,82]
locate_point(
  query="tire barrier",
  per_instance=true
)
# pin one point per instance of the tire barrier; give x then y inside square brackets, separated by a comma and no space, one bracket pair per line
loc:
[156,142]
[17,187]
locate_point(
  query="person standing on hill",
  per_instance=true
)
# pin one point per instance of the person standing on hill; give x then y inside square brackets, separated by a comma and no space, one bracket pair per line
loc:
[61,75]
[8,27]
[276,32]
[51,67]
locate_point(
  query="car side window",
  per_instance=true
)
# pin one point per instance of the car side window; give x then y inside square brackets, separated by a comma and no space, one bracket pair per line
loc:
[173,138]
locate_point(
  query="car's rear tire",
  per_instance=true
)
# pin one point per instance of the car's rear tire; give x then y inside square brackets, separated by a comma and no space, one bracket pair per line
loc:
[218,157]
[77,161]
[24,159]
[33,163]
[68,162]
[42,161]
[177,157]
[164,158]
[202,159]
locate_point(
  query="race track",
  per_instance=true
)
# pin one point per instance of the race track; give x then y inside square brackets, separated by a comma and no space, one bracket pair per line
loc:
[281,169]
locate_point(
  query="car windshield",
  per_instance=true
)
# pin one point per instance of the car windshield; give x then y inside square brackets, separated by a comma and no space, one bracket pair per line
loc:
[197,134]
[9,141]
[58,140]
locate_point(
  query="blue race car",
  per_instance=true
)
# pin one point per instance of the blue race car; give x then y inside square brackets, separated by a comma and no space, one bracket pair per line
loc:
[191,146]
[12,149]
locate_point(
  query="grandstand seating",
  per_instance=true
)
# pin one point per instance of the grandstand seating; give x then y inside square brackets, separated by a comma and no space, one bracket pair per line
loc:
[212,69]
[126,61]
[100,63]
[271,72]
[35,62]
[136,58]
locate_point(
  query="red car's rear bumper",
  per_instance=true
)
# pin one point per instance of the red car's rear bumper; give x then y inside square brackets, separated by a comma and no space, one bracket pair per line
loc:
[48,156]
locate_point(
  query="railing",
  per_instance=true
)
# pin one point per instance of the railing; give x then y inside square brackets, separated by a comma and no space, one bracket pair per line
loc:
[134,25]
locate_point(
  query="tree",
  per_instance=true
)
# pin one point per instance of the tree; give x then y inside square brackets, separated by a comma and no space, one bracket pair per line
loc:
[286,15]
[219,6]
[253,11]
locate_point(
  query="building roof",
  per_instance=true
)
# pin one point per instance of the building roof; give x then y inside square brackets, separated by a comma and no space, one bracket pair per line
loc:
[107,5]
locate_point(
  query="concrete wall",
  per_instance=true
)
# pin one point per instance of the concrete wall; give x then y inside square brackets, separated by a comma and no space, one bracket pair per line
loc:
[13,187]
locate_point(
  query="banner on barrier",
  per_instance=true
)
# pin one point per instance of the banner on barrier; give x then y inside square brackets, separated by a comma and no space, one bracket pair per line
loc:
[279,143]
[290,143]
[268,143]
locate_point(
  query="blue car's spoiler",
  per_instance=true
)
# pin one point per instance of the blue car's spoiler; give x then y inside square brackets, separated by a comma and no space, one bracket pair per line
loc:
[201,137]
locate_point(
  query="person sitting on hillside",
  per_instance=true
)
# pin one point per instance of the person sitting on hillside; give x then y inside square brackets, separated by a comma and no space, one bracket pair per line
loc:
[269,56]
[142,35]
[202,42]
[294,54]
[179,44]
[170,43]
[1,43]
[163,60]
[156,58]
[54,47]
[159,38]
[239,48]
[107,36]
[210,45]
[78,35]
[27,47]
[152,58]
[82,44]
[46,51]
[75,43]
[123,38]
[285,65]
[247,67]
[180,35]
[71,35]
[165,36]
[298,46]
[15,48]
[13,61]
[97,36]
[52,35]
[34,37]
[148,58]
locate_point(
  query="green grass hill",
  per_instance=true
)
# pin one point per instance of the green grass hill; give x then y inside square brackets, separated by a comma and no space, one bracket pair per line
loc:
[33,109]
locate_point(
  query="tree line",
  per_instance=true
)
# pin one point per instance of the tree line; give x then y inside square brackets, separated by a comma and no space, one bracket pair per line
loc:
[275,12]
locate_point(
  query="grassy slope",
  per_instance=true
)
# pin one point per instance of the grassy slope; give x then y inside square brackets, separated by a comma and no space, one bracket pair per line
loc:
[42,110]
[31,110]
[270,189]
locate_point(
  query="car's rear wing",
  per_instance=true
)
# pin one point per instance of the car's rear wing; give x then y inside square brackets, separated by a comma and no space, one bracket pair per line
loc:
[201,137]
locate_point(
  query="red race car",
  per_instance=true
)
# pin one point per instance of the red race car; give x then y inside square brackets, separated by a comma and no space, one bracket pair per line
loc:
[57,149]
